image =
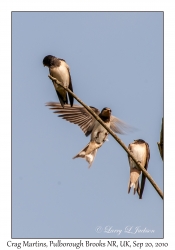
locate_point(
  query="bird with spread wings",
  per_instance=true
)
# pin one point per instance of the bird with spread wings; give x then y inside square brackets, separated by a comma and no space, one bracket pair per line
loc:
[90,126]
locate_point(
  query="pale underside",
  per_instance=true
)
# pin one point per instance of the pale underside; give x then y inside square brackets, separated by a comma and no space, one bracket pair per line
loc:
[140,153]
[61,73]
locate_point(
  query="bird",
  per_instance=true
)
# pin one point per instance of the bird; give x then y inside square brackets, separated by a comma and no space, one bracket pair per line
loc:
[90,126]
[140,149]
[59,69]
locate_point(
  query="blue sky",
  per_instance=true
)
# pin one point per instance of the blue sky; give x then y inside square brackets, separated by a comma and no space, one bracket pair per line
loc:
[116,60]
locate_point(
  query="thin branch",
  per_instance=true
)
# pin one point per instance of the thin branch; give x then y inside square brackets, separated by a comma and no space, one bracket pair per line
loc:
[160,144]
[113,135]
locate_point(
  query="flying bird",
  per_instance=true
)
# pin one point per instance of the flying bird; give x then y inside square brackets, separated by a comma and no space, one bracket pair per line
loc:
[90,126]
[59,69]
[140,149]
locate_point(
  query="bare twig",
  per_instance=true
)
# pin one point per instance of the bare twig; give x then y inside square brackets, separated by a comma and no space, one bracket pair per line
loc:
[160,144]
[114,136]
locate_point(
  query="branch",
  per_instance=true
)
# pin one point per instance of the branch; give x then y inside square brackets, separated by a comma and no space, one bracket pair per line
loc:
[160,144]
[113,135]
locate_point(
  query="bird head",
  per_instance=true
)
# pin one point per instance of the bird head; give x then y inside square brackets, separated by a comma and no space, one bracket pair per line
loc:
[106,112]
[48,60]
[139,141]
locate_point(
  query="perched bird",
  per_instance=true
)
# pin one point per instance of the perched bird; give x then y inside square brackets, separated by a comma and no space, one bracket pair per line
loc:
[80,116]
[140,149]
[59,69]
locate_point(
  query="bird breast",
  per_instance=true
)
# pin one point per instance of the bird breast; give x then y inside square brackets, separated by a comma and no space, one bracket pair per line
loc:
[61,74]
[139,151]
[99,133]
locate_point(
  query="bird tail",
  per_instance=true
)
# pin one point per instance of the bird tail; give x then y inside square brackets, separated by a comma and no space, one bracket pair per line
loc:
[61,93]
[62,101]
[135,187]
[89,152]
[134,180]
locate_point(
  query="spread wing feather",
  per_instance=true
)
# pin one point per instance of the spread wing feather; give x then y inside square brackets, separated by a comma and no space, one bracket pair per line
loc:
[80,116]
[76,114]
[118,126]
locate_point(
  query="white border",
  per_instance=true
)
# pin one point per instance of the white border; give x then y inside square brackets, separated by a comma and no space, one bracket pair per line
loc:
[5,97]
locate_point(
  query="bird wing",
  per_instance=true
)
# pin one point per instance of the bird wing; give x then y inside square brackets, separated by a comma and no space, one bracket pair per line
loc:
[146,167]
[76,114]
[62,101]
[71,99]
[118,126]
